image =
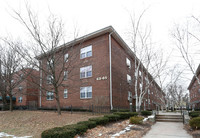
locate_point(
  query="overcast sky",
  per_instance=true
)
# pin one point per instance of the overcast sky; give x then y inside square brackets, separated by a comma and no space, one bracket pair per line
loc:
[91,15]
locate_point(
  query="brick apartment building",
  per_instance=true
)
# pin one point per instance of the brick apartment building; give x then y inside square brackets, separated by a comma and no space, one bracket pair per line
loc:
[194,91]
[102,75]
[26,92]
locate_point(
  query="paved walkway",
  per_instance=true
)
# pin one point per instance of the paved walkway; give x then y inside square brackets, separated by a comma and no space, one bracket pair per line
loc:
[167,130]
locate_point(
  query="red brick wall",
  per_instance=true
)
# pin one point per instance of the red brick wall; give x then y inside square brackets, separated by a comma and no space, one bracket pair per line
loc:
[100,67]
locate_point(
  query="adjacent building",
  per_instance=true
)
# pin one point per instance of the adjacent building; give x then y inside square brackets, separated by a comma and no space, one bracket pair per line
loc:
[26,91]
[194,91]
[101,72]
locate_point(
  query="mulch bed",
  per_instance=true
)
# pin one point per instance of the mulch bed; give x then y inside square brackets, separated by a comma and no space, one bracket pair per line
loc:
[107,131]
[194,133]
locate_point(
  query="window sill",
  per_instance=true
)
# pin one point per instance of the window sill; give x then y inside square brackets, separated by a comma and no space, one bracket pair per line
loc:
[85,98]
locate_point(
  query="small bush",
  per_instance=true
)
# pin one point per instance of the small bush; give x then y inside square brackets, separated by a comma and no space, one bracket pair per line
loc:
[136,120]
[100,120]
[195,123]
[80,128]
[112,117]
[89,124]
[194,114]
[58,132]
[146,113]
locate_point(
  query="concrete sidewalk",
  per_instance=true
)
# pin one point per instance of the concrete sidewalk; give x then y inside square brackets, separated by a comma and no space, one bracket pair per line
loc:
[167,130]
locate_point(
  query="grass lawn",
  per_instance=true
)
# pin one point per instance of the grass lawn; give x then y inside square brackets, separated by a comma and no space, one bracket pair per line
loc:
[33,123]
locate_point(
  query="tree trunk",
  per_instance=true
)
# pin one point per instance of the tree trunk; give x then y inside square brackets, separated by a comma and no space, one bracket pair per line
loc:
[11,103]
[58,103]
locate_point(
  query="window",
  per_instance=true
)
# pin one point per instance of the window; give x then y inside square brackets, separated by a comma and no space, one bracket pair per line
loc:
[128,78]
[140,86]
[65,75]
[20,100]
[86,92]
[86,72]
[49,64]
[128,63]
[21,76]
[65,93]
[140,73]
[49,79]
[86,52]
[20,88]
[129,95]
[49,95]
[66,57]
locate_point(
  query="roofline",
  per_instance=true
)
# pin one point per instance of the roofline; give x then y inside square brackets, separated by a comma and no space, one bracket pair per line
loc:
[116,36]
[194,78]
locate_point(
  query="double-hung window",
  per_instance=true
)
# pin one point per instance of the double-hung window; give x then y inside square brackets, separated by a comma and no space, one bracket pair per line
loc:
[49,95]
[128,78]
[65,93]
[86,92]
[86,72]
[66,56]
[129,95]
[49,64]
[20,100]
[49,79]
[128,63]
[86,52]
[65,75]
[20,88]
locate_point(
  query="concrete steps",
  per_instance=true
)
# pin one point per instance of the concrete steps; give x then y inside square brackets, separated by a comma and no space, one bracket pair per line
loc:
[169,118]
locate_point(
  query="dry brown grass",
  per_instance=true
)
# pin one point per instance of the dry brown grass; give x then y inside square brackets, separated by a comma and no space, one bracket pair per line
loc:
[33,123]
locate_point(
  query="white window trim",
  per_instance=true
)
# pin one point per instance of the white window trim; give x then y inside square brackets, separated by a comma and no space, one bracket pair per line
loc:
[129,80]
[85,50]
[85,71]
[128,63]
[49,79]
[65,75]
[86,91]
[51,94]
[19,99]
[65,92]
[66,57]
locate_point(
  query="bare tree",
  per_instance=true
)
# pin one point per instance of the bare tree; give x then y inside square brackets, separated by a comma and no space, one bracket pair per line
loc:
[11,63]
[2,88]
[187,42]
[176,94]
[56,61]
[147,59]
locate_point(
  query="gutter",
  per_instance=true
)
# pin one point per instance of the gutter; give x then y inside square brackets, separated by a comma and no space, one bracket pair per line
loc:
[40,85]
[110,59]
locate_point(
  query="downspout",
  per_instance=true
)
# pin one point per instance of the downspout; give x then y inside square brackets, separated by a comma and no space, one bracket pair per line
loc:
[111,105]
[40,85]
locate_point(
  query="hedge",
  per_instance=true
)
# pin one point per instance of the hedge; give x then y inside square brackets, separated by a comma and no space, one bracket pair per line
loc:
[58,132]
[112,117]
[136,120]
[89,124]
[146,113]
[100,120]
[69,131]
[126,115]
[194,114]
[195,123]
